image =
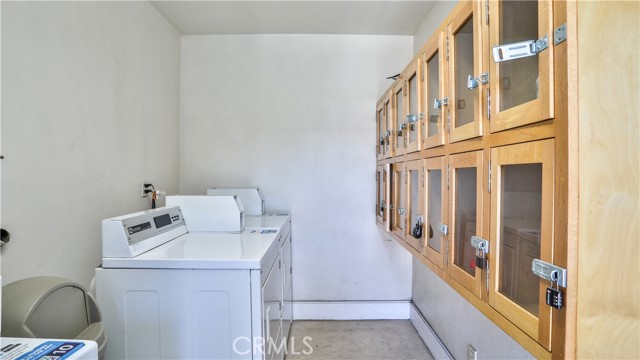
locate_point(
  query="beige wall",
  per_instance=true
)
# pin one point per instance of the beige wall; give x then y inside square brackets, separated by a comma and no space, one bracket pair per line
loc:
[294,114]
[437,14]
[89,109]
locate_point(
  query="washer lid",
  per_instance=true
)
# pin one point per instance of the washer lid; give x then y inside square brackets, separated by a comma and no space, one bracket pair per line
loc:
[205,250]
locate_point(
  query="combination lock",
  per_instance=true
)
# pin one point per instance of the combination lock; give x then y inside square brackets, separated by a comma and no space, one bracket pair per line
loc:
[554,298]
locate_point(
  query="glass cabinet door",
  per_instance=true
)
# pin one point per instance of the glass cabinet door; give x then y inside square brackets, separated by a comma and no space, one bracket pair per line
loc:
[415,219]
[413,107]
[382,196]
[398,195]
[435,200]
[387,148]
[381,129]
[399,134]
[521,82]
[522,230]
[380,203]
[434,104]
[466,172]
[464,64]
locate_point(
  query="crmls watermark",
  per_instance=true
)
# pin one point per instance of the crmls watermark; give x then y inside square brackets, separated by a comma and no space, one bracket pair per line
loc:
[243,345]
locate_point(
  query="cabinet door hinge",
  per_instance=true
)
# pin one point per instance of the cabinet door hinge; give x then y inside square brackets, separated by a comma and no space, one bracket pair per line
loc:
[448,169]
[446,42]
[423,176]
[448,120]
[487,276]
[422,72]
[489,187]
[486,10]
[489,104]
[560,34]
[446,252]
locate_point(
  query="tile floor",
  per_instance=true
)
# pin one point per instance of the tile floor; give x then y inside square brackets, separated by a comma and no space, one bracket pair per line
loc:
[352,340]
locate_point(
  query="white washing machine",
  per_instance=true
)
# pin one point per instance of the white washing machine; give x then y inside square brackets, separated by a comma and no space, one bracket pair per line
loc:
[166,293]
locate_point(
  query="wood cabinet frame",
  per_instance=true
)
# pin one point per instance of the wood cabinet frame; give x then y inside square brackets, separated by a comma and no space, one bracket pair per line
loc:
[433,48]
[413,166]
[473,129]
[539,328]
[381,129]
[413,73]
[398,199]
[398,135]
[560,128]
[387,151]
[459,161]
[541,108]
[438,258]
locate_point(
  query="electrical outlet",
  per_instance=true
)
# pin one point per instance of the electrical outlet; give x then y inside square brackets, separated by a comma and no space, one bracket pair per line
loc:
[472,354]
[142,193]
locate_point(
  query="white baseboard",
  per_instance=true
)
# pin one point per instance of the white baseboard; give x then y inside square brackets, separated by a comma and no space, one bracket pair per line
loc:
[430,338]
[351,310]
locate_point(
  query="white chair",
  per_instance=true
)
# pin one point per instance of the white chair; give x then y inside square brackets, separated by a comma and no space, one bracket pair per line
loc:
[52,308]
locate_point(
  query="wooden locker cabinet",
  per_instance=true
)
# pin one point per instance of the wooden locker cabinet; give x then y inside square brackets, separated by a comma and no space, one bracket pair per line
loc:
[398,133]
[522,196]
[434,102]
[380,203]
[521,89]
[383,191]
[413,110]
[435,204]
[415,205]
[381,130]
[464,62]
[491,163]
[388,134]
[467,210]
[397,209]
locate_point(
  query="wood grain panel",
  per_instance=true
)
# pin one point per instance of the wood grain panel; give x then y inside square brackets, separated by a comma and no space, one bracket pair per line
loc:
[608,87]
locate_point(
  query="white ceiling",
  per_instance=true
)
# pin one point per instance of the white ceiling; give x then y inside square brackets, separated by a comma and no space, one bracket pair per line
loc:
[295,16]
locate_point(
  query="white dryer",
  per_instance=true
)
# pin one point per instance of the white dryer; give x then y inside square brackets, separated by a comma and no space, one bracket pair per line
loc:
[166,293]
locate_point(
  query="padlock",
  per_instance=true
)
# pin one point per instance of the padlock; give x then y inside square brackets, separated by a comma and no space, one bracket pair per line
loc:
[480,262]
[554,297]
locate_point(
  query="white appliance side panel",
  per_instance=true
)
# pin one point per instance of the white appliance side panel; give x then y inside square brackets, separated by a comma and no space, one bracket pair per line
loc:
[256,308]
[171,314]
[287,296]
[272,308]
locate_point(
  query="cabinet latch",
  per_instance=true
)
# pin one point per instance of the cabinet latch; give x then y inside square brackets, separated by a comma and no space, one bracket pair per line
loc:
[482,249]
[480,244]
[411,118]
[520,49]
[444,229]
[549,272]
[439,103]
[473,83]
